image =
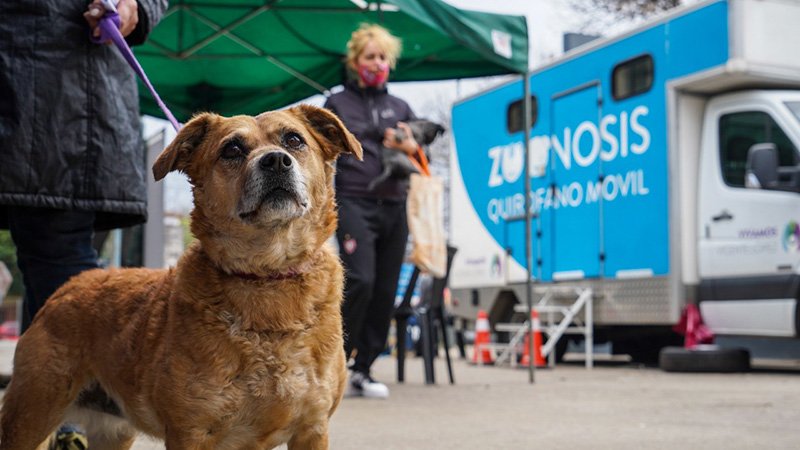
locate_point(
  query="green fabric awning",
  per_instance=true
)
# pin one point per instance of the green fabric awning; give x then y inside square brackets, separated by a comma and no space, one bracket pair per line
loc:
[249,56]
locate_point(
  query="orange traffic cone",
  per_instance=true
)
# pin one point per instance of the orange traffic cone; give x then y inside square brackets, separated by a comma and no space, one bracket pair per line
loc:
[481,353]
[538,360]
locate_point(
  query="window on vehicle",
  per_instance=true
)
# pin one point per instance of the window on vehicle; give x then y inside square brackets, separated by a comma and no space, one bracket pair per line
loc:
[794,107]
[514,115]
[740,131]
[632,77]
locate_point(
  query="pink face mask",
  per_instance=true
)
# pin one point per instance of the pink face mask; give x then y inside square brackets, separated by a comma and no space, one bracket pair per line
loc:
[373,79]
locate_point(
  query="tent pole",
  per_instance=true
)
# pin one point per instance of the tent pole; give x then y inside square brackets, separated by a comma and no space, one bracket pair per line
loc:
[526,83]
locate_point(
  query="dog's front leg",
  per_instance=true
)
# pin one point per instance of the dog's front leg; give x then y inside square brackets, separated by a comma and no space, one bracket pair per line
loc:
[312,438]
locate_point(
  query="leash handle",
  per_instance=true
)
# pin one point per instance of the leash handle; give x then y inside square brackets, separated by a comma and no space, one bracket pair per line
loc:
[109,29]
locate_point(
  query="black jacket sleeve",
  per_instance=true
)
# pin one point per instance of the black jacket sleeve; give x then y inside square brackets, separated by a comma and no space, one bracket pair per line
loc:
[150,13]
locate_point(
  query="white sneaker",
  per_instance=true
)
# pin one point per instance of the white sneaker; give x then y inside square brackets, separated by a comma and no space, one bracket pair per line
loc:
[362,385]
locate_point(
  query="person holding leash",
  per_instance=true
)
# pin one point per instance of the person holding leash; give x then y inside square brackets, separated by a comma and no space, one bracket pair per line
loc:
[72,152]
[372,230]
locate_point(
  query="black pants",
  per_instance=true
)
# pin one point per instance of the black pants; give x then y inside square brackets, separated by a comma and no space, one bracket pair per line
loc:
[52,246]
[372,237]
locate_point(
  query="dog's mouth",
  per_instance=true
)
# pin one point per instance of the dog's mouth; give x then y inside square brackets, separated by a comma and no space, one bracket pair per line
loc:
[280,202]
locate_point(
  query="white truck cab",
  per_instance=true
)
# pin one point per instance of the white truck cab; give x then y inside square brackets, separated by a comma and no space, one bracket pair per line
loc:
[748,230]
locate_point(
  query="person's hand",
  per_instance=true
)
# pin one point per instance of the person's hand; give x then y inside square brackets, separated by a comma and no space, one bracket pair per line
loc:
[128,11]
[408,145]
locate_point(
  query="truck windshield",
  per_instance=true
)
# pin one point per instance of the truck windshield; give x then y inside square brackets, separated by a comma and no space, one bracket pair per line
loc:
[794,107]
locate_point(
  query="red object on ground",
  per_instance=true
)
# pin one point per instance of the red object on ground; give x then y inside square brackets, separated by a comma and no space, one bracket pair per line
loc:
[691,326]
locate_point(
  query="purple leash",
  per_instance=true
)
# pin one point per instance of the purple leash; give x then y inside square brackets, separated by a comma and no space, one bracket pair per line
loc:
[109,29]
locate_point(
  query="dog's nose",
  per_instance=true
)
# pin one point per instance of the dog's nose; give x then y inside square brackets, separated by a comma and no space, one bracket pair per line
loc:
[276,162]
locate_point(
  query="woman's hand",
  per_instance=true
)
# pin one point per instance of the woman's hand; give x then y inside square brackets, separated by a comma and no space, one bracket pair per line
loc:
[408,145]
[128,11]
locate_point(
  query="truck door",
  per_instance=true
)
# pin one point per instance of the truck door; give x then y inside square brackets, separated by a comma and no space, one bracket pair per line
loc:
[573,224]
[749,238]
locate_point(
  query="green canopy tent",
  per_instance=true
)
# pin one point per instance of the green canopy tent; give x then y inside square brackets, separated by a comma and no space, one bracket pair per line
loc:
[248,56]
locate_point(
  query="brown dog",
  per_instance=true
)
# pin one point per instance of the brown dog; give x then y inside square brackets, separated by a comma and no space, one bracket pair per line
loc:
[240,345]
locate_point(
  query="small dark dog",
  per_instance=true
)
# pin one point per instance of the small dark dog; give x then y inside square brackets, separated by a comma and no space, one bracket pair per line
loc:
[395,163]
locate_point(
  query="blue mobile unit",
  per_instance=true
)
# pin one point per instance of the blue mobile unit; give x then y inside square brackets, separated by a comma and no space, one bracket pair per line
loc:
[645,185]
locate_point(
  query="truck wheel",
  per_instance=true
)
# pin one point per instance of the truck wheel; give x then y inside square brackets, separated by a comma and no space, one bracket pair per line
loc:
[704,358]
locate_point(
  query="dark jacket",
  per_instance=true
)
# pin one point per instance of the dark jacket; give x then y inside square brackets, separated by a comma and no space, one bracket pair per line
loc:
[69,113]
[367,112]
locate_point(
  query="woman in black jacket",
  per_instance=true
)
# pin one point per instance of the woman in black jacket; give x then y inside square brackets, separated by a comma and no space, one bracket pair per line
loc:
[372,231]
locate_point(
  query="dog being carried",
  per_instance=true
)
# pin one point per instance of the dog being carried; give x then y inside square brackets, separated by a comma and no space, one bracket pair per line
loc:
[240,345]
[395,163]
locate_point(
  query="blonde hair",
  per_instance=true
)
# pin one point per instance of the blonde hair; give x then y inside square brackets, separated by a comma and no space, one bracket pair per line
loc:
[390,45]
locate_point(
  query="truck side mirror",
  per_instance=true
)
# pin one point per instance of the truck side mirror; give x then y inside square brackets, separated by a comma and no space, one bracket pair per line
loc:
[761,171]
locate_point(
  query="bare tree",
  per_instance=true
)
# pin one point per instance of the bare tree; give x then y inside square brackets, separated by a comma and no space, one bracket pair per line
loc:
[601,14]
[625,9]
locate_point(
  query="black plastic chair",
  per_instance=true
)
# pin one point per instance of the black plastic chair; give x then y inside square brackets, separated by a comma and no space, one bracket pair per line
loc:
[428,312]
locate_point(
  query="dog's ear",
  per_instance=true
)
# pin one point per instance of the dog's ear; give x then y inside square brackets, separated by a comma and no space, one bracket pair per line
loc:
[176,155]
[429,130]
[332,129]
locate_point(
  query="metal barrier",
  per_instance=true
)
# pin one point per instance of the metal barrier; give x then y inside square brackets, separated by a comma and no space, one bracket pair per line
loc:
[560,306]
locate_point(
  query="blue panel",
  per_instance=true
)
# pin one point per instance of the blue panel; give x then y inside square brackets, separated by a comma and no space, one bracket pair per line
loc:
[616,180]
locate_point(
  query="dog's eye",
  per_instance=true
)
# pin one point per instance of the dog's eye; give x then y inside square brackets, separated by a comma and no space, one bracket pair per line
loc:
[233,150]
[293,140]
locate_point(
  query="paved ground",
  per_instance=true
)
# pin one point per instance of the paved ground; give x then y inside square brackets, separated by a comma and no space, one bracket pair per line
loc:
[614,406]
[569,407]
